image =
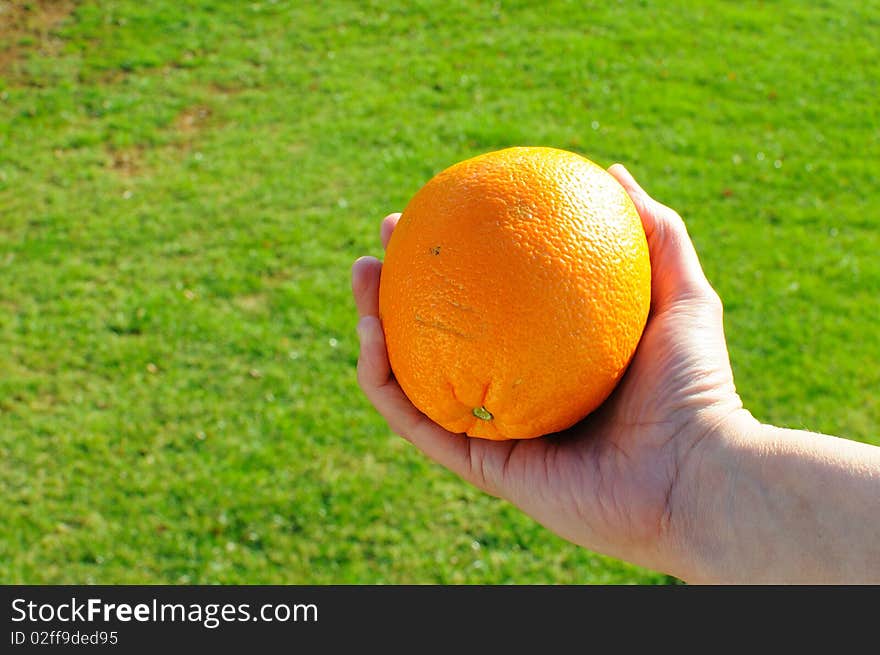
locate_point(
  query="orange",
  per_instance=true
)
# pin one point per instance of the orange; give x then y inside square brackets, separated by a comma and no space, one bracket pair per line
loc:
[514,292]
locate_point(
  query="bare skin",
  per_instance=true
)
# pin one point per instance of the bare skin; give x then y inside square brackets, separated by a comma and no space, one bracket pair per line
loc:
[671,472]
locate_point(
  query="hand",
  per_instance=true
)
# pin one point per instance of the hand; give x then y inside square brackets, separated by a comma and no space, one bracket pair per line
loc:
[621,482]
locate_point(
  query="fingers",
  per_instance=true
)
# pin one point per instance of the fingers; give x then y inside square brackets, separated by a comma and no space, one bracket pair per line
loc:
[365,274]
[376,380]
[374,376]
[469,458]
[675,267]
[374,370]
[366,271]
[388,225]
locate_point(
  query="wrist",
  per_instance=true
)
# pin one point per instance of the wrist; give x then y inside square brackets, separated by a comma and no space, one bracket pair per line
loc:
[701,530]
[761,504]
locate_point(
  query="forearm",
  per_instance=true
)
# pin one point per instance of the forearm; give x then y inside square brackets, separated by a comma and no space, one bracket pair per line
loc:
[785,506]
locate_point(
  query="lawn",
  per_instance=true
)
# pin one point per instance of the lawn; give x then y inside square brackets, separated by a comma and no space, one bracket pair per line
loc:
[184,185]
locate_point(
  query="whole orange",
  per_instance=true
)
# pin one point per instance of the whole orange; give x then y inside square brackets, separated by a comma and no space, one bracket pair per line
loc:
[514,292]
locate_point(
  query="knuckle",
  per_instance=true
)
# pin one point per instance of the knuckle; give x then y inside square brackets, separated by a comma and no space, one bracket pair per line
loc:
[672,219]
[713,300]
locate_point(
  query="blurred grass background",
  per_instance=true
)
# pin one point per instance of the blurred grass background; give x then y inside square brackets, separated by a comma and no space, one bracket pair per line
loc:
[184,185]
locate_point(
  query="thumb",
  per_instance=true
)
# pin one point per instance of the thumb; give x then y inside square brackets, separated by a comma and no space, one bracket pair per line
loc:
[676,273]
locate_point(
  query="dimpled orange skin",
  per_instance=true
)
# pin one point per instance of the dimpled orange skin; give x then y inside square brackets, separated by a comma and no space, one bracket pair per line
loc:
[517,284]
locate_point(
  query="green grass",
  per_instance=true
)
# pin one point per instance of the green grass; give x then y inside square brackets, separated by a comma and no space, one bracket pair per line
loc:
[183,187]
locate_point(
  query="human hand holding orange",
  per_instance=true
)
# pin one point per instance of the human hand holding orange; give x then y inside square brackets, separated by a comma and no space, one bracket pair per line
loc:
[610,482]
[663,472]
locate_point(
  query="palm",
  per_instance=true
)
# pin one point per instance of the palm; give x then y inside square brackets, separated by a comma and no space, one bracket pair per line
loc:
[608,482]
